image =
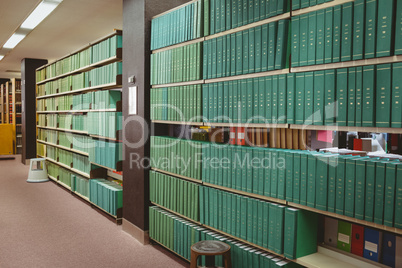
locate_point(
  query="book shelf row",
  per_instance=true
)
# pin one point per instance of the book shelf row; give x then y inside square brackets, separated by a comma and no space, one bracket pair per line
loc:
[91,56]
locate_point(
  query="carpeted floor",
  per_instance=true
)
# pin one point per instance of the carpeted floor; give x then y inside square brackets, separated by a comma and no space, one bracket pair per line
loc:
[42,225]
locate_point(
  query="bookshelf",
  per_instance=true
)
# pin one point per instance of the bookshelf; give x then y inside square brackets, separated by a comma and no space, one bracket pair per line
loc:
[3,104]
[297,76]
[79,122]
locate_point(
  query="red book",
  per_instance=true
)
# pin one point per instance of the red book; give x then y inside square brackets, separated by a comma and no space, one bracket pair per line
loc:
[357,144]
[241,139]
[232,136]
[357,239]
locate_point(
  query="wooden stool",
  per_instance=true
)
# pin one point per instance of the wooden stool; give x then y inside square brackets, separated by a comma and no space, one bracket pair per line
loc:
[210,249]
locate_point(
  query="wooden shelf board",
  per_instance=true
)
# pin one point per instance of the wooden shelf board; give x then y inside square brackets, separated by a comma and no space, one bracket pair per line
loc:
[64,185]
[246,125]
[64,148]
[114,175]
[65,130]
[176,213]
[104,138]
[186,43]
[83,174]
[189,83]
[108,168]
[82,196]
[178,176]
[174,252]
[52,178]
[177,123]
[328,258]
[75,111]
[271,199]
[318,7]
[349,219]
[104,86]
[245,76]
[346,128]
[249,26]
[113,216]
[347,64]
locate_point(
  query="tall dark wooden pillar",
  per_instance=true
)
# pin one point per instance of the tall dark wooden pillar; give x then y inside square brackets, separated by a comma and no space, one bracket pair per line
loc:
[137,15]
[28,98]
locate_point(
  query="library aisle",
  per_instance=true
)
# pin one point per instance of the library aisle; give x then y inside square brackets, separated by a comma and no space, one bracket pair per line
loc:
[43,226]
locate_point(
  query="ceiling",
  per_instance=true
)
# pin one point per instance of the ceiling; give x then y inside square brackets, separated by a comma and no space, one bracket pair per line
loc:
[72,25]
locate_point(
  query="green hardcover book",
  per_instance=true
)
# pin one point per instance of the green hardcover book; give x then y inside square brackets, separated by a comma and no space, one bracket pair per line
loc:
[260,219]
[257,10]
[304,3]
[263,6]
[296,4]
[243,217]
[274,96]
[313,2]
[235,11]
[267,176]
[251,50]
[261,100]
[245,12]
[250,16]
[389,195]
[371,29]
[250,96]
[223,72]
[268,99]
[300,233]
[351,97]
[329,96]
[296,178]
[272,38]
[360,178]
[289,176]
[337,27]
[282,99]
[214,62]
[350,185]
[279,230]
[265,223]
[255,101]
[319,95]
[359,96]
[385,28]
[347,31]
[303,178]
[228,54]
[264,47]
[243,106]
[274,177]
[368,111]
[295,41]
[329,21]
[342,96]
[218,15]
[370,191]
[249,233]
[233,54]
[344,236]
[273,5]
[272,225]
[309,98]
[225,108]
[206,17]
[396,102]
[332,168]
[398,29]
[322,181]
[282,44]
[290,105]
[312,37]
[383,95]
[239,53]
[340,185]
[358,29]
[398,198]
[320,39]
[300,88]
[258,49]
[223,16]
[311,180]
[220,103]
[379,192]
[281,194]
[304,39]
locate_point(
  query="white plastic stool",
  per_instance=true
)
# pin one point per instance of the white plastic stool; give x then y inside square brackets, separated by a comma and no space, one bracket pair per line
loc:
[37,170]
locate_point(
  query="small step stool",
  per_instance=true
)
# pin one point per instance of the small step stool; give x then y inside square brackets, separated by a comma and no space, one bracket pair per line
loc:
[210,249]
[37,170]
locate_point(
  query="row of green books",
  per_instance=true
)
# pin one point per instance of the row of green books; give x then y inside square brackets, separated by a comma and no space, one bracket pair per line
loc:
[105,124]
[98,52]
[269,225]
[47,135]
[64,176]
[69,140]
[177,65]
[40,149]
[175,194]
[76,161]
[106,194]
[356,30]
[178,235]
[298,4]
[96,100]
[61,103]
[182,157]
[178,26]
[106,153]
[229,14]
[259,49]
[177,103]
[52,169]
[103,75]
[80,185]
[81,163]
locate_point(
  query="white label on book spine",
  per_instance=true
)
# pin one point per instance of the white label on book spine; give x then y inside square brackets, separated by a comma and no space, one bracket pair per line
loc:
[232,135]
[241,135]
[343,238]
[370,246]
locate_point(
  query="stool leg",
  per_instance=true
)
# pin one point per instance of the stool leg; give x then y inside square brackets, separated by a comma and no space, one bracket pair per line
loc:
[228,260]
[194,257]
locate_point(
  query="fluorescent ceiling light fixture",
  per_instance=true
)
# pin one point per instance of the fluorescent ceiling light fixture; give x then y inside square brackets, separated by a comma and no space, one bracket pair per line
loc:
[13,41]
[1,57]
[39,14]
